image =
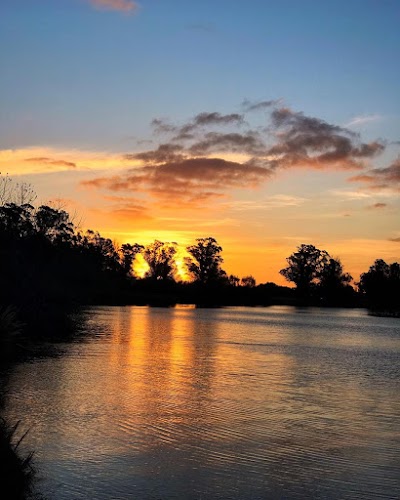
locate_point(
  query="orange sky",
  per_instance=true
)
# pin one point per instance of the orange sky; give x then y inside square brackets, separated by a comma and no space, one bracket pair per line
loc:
[257,225]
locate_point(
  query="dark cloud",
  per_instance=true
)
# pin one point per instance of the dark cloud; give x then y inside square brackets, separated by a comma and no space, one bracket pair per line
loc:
[381,178]
[51,161]
[214,118]
[207,119]
[249,143]
[249,106]
[303,141]
[396,240]
[163,154]
[161,126]
[189,180]
[185,167]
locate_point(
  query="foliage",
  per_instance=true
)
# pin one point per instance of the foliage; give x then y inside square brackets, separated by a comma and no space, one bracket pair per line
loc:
[381,286]
[319,277]
[17,471]
[53,224]
[305,266]
[160,259]
[128,254]
[248,281]
[233,280]
[207,260]
[45,262]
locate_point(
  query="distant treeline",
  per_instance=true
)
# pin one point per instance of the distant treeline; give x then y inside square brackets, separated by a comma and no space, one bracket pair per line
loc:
[45,262]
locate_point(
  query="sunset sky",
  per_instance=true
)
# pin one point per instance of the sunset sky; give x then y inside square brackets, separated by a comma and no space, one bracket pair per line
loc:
[265,124]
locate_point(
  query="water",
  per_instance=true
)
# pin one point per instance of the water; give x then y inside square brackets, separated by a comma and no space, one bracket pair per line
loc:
[246,403]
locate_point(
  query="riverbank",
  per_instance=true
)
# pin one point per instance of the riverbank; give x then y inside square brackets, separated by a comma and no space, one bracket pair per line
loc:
[18,475]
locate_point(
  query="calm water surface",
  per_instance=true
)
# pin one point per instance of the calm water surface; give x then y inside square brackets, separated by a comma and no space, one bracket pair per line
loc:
[236,403]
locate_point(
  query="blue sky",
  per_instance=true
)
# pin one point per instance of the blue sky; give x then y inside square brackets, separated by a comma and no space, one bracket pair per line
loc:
[95,78]
[83,79]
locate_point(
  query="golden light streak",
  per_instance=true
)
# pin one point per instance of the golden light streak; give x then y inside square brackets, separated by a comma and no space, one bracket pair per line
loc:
[39,160]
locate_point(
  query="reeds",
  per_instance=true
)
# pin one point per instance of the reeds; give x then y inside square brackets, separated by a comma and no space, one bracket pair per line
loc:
[16,470]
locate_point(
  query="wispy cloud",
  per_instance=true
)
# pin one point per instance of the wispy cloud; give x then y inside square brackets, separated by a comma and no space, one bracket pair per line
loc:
[349,195]
[275,201]
[51,161]
[39,160]
[248,105]
[378,179]
[377,206]
[126,6]
[362,120]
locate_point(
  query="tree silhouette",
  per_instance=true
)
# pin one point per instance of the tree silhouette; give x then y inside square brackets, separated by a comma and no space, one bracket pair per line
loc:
[207,260]
[381,285]
[233,280]
[305,267]
[160,259]
[334,283]
[248,281]
[54,224]
[128,254]
[20,193]
[16,220]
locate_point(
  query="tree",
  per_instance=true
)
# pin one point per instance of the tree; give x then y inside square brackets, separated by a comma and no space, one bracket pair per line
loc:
[100,253]
[233,280]
[305,267]
[206,263]
[160,259]
[334,283]
[248,281]
[54,224]
[128,254]
[381,285]
[332,274]
[16,220]
[20,193]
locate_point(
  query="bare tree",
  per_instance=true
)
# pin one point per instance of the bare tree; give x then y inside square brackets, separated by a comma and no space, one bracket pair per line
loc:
[20,193]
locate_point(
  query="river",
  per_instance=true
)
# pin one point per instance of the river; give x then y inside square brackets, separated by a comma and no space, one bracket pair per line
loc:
[231,403]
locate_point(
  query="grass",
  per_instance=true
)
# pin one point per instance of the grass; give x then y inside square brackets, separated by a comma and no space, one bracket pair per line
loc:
[17,473]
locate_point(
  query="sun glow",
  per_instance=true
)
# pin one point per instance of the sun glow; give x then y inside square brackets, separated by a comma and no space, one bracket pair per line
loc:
[181,273]
[140,266]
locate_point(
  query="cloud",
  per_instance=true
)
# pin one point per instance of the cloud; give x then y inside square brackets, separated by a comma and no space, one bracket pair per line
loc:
[249,106]
[213,153]
[362,120]
[249,143]
[304,141]
[187,180]
[377,206]
[275,201]
[128,208]
[51,161]
[202,120]
[39,160]
[381,178]
[345,194]
[119,5]
[395,240]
